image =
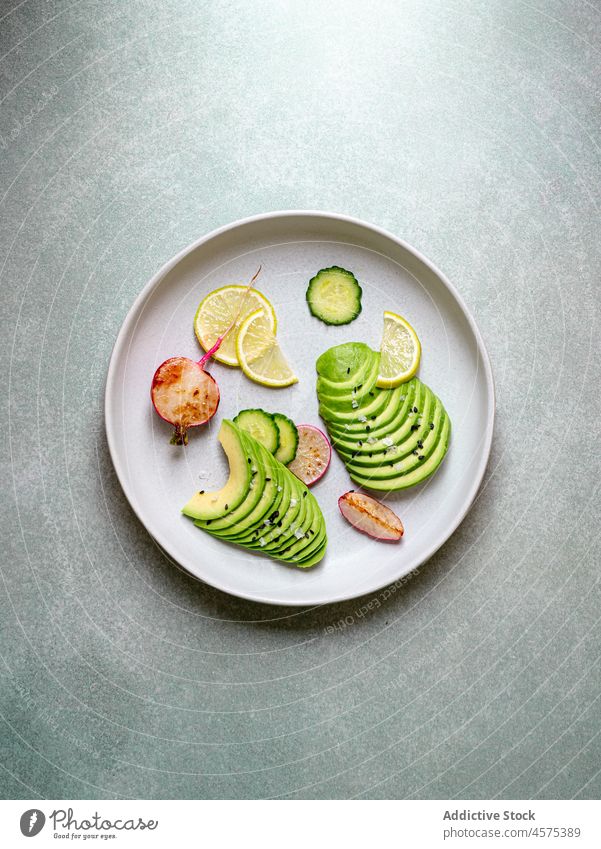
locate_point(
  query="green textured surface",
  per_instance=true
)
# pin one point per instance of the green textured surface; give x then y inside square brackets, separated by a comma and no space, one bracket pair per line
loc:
[471,129]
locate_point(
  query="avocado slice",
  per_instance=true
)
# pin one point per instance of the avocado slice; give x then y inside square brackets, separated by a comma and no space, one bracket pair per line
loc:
[416,475]
[267,503]
[341,364]
[389,438]
[261,522]
[403,457]
[214,505]
[385,406]
[256,488]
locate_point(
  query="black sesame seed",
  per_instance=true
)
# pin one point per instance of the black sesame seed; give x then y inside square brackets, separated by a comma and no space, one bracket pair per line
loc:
[249,460]
[431,425]
[415,452]
[202,492]
[372,394]
[267,479]
[305,494]
[414,427]
[227,506]
[415,410]
[348,371]
[420,444]
[367,428]
[280,524]
[360,444]
[421,457]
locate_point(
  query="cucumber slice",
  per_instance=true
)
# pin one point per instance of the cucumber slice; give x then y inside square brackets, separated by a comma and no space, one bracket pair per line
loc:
[261,426]
[288,439]
[334,295]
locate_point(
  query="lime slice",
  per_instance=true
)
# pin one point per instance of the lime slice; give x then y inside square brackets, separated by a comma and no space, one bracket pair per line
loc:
[400,352]
[259,354]
[216,312]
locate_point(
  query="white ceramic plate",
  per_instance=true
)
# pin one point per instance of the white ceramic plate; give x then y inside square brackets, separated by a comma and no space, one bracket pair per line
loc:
[159,478]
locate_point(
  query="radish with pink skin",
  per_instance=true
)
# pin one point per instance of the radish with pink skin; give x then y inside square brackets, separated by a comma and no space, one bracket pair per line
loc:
[313,455]
[370,516]
[184,393]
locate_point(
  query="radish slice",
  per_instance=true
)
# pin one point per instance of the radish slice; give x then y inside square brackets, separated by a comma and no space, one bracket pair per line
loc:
[184,394]
[313,455]
[371,517]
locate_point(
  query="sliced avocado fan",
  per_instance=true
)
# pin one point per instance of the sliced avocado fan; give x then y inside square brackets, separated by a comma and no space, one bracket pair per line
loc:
[262,506]
[388,439]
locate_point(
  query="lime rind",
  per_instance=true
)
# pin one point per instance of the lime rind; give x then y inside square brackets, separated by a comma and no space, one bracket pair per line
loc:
[388,378]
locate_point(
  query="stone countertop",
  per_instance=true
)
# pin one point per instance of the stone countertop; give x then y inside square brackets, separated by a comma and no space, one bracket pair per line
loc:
[471,129]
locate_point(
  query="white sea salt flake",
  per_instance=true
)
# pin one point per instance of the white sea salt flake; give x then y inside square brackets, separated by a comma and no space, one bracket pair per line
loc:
[388,440]
[293,502]
[299,534]
[354,404]
[262,542]
[362,419]
[279,488]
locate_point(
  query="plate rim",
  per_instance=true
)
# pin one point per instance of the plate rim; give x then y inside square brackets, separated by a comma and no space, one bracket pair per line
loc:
[154,281]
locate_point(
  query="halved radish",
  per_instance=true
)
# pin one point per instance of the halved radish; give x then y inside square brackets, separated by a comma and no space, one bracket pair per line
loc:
[313,455]
[370,516]
[184,393]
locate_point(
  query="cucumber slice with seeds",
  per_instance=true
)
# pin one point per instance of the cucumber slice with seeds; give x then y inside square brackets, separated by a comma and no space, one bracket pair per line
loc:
[334,295]
[288,439]
[261,426]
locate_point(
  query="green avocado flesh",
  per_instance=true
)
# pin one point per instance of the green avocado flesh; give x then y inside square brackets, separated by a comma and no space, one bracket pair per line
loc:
[389,439]
[262,507]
